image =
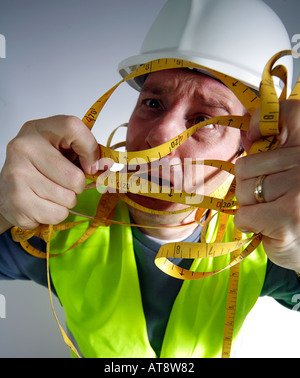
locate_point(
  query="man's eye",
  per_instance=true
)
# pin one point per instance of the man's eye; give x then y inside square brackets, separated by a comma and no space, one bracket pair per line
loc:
[195,121]
[153,103]
[200,119]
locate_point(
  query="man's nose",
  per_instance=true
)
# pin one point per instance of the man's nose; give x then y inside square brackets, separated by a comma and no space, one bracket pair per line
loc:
[165,129]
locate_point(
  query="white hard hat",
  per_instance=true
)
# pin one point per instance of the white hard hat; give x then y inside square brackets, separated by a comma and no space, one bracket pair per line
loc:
[235,37]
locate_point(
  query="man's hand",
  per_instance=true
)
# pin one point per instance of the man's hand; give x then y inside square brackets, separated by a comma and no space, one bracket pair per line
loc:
[278,219]
[38,183]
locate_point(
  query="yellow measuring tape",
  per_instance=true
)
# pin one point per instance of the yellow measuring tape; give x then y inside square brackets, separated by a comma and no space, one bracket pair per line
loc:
[222,201]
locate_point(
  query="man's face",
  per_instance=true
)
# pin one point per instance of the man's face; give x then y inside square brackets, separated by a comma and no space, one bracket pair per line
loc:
[172,101]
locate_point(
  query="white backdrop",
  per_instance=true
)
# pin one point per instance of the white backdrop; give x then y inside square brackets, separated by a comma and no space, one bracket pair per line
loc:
[61,55]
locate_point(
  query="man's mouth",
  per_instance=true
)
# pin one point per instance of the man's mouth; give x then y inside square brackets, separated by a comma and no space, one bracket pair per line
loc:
[161,181]
[155,175]
[156,180]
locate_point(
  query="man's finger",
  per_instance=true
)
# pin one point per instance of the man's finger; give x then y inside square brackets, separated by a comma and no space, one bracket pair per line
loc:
[70,132]
[289,124]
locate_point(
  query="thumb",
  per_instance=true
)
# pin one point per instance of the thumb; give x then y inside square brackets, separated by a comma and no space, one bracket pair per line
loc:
[89,162]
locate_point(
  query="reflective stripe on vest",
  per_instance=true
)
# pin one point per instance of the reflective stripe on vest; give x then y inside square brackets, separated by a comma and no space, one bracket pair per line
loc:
[98,286]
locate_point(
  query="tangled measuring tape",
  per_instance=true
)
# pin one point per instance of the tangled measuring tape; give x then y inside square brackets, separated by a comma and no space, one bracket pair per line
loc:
[223,202]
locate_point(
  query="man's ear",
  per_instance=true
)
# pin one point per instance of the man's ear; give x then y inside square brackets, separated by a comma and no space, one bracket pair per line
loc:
[246,143]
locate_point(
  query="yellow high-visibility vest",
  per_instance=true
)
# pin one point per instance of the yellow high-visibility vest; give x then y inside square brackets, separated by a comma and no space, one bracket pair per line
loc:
[98,286]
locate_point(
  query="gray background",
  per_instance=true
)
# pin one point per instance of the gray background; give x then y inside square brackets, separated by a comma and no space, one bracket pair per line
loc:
[61,55]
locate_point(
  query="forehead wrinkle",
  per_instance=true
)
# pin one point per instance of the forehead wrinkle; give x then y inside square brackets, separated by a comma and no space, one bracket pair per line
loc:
[159,88]
[177,83]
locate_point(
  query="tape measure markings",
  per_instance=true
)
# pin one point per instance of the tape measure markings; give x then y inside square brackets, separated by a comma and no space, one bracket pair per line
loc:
[269,117]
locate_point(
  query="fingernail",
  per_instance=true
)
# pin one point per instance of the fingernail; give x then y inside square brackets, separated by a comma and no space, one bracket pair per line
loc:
[94,168]
[245,231]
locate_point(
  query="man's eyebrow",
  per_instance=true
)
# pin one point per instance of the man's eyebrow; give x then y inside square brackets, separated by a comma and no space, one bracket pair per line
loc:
[215,101]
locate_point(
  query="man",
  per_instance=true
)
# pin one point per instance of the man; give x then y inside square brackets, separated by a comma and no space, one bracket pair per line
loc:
[117,304]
